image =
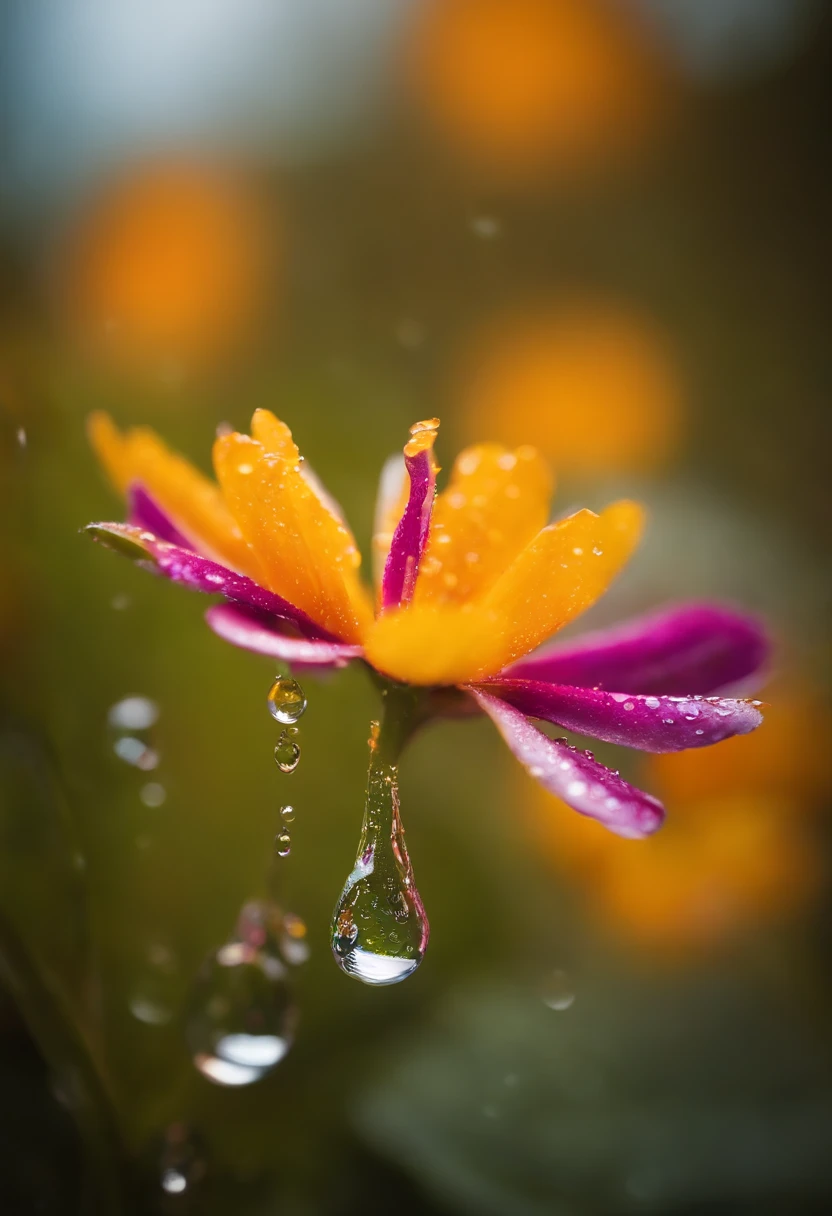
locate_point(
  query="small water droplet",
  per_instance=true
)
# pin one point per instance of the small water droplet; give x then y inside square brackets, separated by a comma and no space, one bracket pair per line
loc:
[133,713]
[153,794]
[699,732]
[134,751]
[22,438]
[380,898]
[598,551]
[578,551]
[286,753]
[557,991]
[283,844]
[668,721]
[286,700]
[652,702]
[629,705]
[486,227]
[241,1015]
[181,1162]
[287,814]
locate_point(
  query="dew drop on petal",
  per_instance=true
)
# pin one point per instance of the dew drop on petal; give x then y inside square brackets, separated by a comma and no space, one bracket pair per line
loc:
[652,702]
[286,700]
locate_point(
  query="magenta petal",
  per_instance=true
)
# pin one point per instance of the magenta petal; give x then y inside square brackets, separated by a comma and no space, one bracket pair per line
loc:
[201,574]
[144,512]
[411,534]
[652,724]
[574,776]
[253,630]
[685,650]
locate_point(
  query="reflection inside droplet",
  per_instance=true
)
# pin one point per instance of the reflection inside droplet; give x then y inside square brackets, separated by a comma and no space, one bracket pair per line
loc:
[241,1014]
[380,930]
[286,753]
[286,700]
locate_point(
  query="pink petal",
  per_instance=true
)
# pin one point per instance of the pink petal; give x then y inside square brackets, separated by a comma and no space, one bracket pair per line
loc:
[411,534]
[253,630]
[685,650]
[574,776]
[650,723]
[201,574]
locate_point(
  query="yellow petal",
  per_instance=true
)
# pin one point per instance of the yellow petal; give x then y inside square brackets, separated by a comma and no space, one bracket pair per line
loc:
[192,501]
[559,574]
[495,503]
[307,553]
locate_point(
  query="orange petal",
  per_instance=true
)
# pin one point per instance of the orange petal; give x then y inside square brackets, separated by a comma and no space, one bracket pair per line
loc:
[192,500]
[565,569]
[307,553]
[560,573]
[495,503]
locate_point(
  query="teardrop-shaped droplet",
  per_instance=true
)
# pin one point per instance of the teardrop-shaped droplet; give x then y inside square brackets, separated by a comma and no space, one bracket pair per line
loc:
[283,844]
[241,1017]
[286,753]
[380,930]
[286,700]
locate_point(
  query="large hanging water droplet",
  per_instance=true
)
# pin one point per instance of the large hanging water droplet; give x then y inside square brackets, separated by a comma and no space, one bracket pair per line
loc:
[286,700]
[286,753]
[380,930]
[242,1015]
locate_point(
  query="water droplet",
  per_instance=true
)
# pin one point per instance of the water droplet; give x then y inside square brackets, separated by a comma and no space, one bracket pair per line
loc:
[133,751]
[629,705]
[22,438]
[241,1016]
[597,550]
[287,814]
[133,713]
[652,702]
[668,721]
[557,991]
[380,898]
[487,227]
[153,794]
[578,551]
[699,732]
[286,753]
[181,1163]
[286,700]
[293,944]
[283,844]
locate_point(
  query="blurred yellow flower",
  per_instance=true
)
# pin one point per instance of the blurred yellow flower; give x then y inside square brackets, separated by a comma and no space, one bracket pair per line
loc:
[739,848]
[170,262]
[593,384]
[522,84]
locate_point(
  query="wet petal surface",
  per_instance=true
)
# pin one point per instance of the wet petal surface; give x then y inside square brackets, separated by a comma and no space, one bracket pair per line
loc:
[574,776]
[689,649]
[650,723]
[254,630]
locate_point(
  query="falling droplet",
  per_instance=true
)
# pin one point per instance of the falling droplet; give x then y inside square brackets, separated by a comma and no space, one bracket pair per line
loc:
[557,991]
[380,930]
[286,753]
[133,713]
[287,814]
[286,700]
[181,1162]
[241,1015]
[283,844]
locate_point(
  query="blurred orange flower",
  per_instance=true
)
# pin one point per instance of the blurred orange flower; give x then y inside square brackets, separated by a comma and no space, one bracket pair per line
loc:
[520,84]
[169,263]
[593,384]
[740,845]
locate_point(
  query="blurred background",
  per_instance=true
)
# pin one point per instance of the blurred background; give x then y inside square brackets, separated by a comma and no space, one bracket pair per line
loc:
[598,226]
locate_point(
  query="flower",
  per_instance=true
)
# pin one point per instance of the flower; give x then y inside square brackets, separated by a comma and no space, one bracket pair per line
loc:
[521,85]
[595,383]
[169,262]
[741,846]
[469,583]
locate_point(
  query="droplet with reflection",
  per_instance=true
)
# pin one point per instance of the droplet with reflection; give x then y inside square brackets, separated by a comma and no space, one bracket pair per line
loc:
[286,700]
[380,930]
[242,1016]
[286,753]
